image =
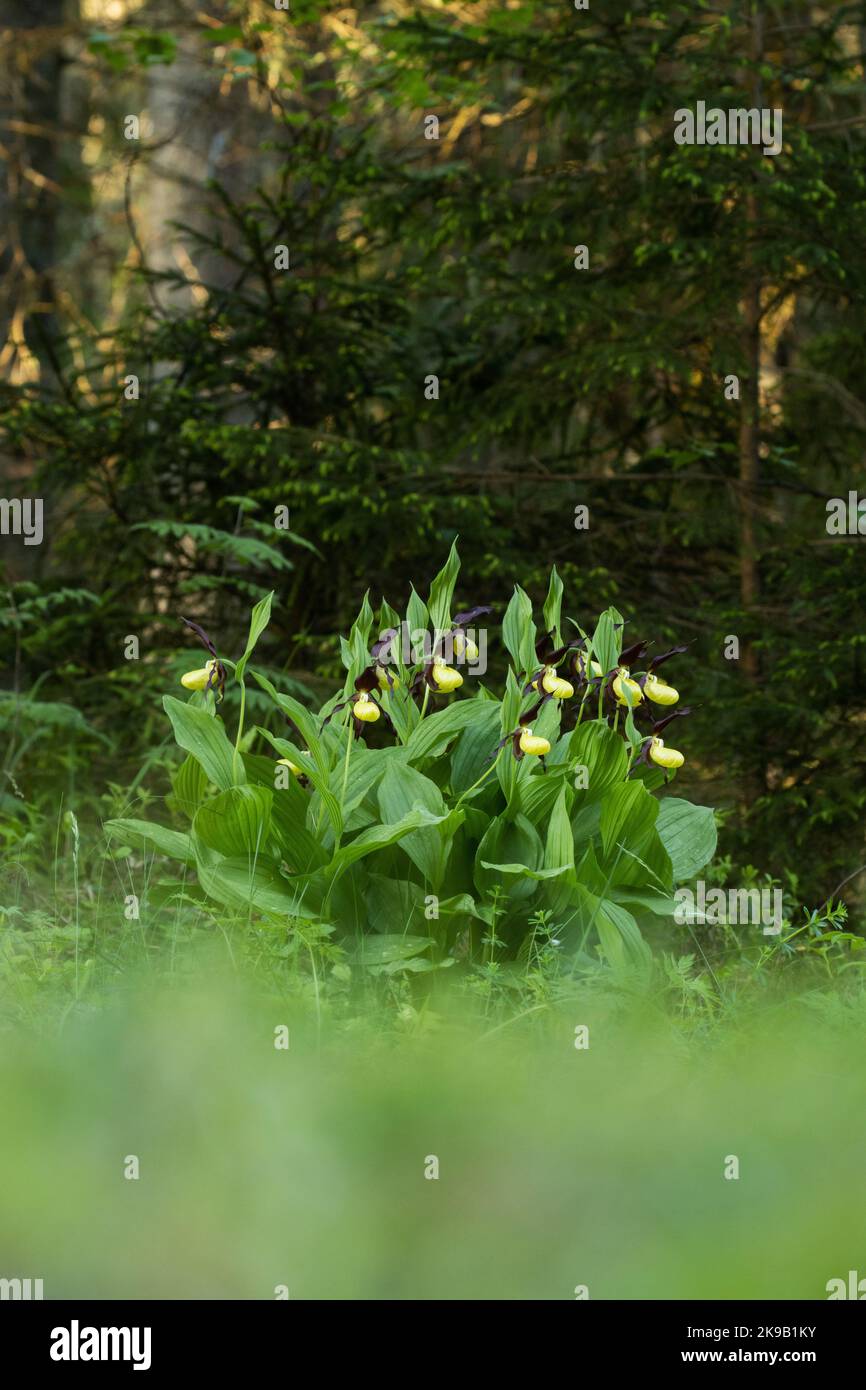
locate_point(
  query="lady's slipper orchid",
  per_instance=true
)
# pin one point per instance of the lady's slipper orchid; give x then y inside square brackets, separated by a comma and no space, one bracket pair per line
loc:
[660,693]
[445,678]
[533,744]
[554,685]
[210,677]
[386,678]
[523,741]
[436,674]
[464,646]
[365,706]
[665,757]
[626,690]
[200,680]
[547,679]
[366,709]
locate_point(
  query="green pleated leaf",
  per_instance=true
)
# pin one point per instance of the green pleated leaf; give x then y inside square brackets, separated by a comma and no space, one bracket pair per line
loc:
[244,884]
[688,833]
[172,843]
[518,630]
[379,837]
[627,817]
[203,735]
[442,591]
[189,784]
[235,823]
[433,734]
[553,607]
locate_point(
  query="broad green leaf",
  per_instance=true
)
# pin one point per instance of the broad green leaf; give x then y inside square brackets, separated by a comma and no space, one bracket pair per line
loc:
[607,639]
[688,833]
[356,652]
[628,815]
[559,846]
[518,630]
[189,784]
[416,616]
[316,770]
[603,754]
[235,823]
[442,591]
[301,850]
[462,904]
[245,884]
[559,854]
[648,863]
[434,733]
[538,793]
[303,720]
[476,747]
[367,767]
[646,900]
[515,842]
[172,843]
[379,837]
[392,903]
[403,789]
[621,941]
[203,735]
[521,871]
[383,949]
[553,607]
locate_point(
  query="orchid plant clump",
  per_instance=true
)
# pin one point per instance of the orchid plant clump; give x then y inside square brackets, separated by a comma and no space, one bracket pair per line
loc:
[421,812]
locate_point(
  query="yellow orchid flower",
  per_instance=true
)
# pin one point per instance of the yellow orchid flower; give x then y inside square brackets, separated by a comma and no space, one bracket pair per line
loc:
[665,757]
[627,691]
[382,675]
[465,646]
[445,677]
[554,685]
[532,744]
[366,709]
[660,693]
[197,680]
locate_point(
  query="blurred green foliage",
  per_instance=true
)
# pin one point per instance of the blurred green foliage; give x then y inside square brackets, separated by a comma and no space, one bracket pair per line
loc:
[304,1167]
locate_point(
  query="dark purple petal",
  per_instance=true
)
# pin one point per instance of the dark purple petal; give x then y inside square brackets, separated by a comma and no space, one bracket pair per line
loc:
[530,714]
[368,680]
[461,619]
[200,634]
[674,651]
[335,710]
[384,641]
[634,653]
[669,718]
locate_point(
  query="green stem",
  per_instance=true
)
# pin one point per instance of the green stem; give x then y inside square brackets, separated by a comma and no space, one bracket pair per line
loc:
[482,778]
[237,752]
[345,778]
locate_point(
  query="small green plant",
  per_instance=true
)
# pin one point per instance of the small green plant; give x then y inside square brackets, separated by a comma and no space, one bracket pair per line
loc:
[422,818]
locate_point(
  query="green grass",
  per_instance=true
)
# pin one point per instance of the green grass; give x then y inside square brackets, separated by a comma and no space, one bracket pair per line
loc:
[305,1167]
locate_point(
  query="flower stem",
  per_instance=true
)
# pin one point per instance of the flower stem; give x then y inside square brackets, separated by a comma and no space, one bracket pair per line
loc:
[483,776]
[237,752]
